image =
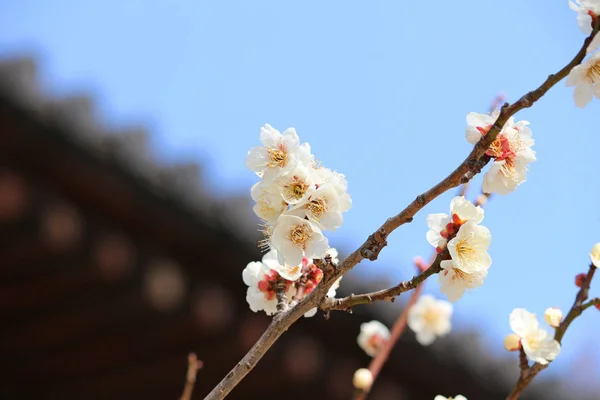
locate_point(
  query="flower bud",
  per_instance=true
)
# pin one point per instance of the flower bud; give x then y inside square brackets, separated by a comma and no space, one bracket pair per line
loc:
[363,379]
[482,199]
[579,279]
[553,316]
[595,255]
[512,342]
[597,306]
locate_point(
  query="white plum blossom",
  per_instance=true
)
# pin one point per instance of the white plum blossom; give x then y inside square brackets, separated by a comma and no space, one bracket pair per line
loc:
[461,211]
[288,272]
[261,294]
[454,282]
[468,249]
[586,79]
[294,238]
[595,255]
[538,344]
[279,153]
[372,337]
[585,10]
[269,203]
[511,151]
[296,185]
[440,397]
[553,316]
[430,318]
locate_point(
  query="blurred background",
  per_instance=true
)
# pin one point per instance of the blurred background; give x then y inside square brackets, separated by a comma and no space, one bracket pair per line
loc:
[125,217]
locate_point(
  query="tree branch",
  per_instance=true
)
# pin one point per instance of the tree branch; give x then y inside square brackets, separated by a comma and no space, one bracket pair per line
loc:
[193,366]
[384,295]
[371,248]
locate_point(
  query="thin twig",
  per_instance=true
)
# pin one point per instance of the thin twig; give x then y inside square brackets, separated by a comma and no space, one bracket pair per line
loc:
[399,326]
[390,294]
[593,302]
[371,248]
[193,366]
[527,374]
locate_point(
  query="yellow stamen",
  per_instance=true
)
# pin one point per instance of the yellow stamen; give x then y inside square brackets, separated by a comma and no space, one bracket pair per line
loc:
[296,189]
[278,157]
[317,207]
[593,72]
[300,234]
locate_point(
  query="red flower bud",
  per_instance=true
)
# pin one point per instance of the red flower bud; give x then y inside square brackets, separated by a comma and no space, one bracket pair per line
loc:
[579,279]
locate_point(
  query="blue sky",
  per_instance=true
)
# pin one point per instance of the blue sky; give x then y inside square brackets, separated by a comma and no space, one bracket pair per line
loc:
[379,89]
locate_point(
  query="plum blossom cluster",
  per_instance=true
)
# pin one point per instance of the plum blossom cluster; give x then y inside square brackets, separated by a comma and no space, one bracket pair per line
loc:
[296,200]
[511,151]
[467,243]
[537,343]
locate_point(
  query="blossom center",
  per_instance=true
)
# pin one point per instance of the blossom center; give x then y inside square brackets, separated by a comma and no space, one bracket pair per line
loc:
[500,148]
[277,156]
[593,72]
[267,284]
[531,342]
[509,171]
[465,251]
[317,207]
[300,234]
[296,189]
[431,317]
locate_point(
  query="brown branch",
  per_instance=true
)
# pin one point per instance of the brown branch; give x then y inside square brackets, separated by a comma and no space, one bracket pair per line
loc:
[390,294]
[527,374]
[282,300]
[371,248]
[193,366]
